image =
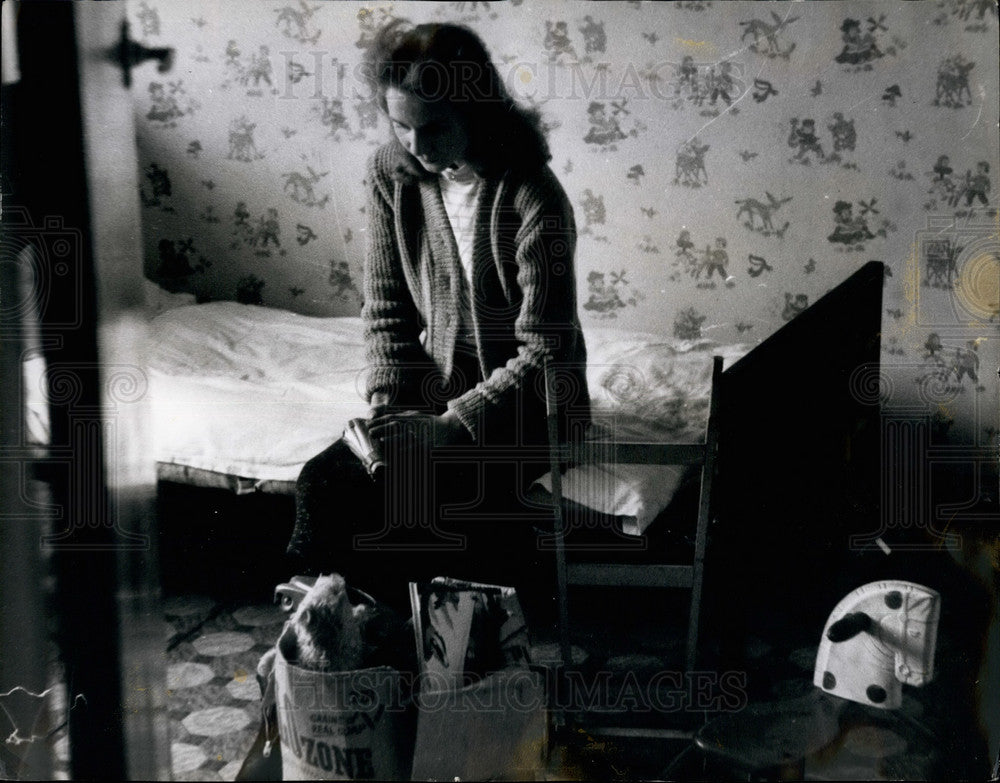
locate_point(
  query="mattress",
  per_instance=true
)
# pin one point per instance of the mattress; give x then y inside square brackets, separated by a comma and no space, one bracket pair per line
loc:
[251,392]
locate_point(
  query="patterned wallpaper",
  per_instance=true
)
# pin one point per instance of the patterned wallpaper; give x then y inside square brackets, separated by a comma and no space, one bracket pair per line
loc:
[729,162]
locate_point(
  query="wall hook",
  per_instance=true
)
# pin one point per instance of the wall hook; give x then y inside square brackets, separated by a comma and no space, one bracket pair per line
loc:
[129,53]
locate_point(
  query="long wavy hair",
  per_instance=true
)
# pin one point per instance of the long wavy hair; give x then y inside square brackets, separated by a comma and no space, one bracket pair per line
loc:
[450,63]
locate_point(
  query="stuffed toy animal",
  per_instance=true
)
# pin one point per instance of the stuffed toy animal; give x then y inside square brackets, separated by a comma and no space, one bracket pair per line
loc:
[327,633]
[324,632]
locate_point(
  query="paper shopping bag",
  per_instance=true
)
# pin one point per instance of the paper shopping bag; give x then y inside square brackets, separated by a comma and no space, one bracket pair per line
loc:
[351,725]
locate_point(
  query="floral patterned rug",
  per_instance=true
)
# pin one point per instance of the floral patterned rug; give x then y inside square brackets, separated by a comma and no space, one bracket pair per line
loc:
[213,697]
[211,650]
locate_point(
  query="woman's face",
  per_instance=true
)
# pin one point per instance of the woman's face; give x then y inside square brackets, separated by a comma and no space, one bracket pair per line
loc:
[433,133]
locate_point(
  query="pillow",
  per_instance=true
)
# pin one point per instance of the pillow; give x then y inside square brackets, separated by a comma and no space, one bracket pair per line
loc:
[635,494]
[36,402]
[159,300]
[643,388]
[649,387]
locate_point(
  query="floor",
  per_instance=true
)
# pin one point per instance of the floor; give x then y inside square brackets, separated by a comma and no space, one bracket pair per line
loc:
[212,647]
[219,583]
[213,697]
[218,620]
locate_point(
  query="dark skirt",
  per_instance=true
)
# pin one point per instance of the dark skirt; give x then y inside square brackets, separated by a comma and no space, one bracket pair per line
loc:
[460,517]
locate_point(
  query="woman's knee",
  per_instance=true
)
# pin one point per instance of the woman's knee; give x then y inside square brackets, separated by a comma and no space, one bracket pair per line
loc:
[310,475]
[325,466]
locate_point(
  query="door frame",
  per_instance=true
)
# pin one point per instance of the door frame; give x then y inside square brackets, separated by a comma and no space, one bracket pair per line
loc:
[102,534]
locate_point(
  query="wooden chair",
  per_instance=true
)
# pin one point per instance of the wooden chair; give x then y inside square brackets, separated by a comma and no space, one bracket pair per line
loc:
[687,576]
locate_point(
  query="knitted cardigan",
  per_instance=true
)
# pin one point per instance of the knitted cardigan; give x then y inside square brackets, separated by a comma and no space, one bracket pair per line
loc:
[523,301]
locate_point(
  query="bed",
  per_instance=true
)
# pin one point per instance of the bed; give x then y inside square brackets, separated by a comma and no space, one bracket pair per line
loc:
[244,395]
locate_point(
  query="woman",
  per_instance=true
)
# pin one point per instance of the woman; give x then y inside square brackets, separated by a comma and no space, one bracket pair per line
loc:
[469,288]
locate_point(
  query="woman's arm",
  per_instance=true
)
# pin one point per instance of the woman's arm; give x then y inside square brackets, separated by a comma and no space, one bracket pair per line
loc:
[397,362]
[547,321]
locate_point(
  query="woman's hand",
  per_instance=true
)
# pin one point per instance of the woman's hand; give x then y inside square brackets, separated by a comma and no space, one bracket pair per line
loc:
[379,405]
[418,431]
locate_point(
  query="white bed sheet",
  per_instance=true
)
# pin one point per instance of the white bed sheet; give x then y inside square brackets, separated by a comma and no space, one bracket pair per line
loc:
[252,391]
[644,388]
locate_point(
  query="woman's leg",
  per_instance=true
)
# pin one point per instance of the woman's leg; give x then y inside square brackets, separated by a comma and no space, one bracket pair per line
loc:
[332,490]
[380,535]
[418,521]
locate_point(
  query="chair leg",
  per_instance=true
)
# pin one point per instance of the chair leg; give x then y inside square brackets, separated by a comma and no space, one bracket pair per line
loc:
[704,515]
[555,471]
[691,651]
[562,584]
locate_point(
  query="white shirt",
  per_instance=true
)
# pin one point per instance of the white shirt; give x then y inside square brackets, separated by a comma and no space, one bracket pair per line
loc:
[460,192]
